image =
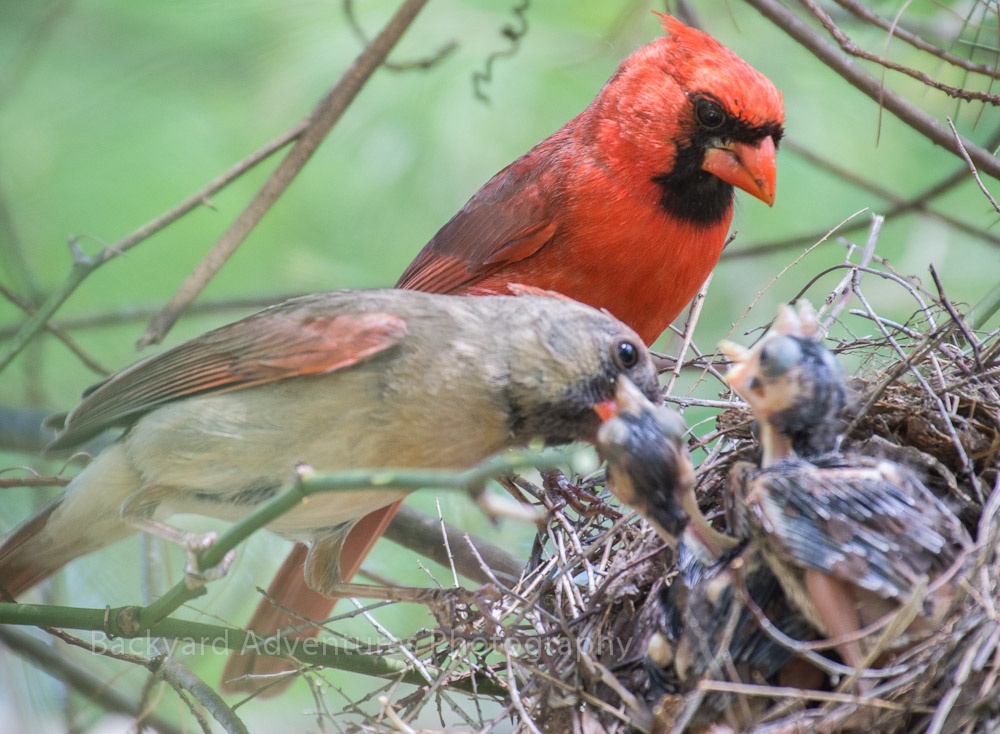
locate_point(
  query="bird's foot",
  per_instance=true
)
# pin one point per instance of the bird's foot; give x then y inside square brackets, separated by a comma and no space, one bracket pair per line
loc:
[193,545]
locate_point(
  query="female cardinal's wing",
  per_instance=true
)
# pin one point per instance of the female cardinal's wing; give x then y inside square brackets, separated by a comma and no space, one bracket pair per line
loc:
[509,219]
[305,336]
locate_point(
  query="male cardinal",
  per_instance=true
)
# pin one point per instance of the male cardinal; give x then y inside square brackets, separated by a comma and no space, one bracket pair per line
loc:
[336,380]
[626,207]
[851,538]
[703,629]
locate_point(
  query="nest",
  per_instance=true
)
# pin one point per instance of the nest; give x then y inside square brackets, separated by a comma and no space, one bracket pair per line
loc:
[566,643]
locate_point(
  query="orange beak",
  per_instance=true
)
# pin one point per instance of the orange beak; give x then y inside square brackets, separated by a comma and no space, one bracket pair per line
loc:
[606,410]
[752,168]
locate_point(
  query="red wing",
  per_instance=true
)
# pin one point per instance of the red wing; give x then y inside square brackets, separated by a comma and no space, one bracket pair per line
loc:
[292,339]
[509,219]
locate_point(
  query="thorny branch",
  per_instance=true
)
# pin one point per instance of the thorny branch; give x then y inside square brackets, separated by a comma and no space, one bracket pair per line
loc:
[897,31]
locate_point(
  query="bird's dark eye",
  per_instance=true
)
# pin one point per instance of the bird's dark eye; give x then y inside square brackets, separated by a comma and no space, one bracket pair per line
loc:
[627,354]
[710,115]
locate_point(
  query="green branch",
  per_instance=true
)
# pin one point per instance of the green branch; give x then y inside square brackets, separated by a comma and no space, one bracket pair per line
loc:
[202,637]
[309,483]
[132,622]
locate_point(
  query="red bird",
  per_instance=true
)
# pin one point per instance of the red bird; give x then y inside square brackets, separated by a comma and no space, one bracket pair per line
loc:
[626,207]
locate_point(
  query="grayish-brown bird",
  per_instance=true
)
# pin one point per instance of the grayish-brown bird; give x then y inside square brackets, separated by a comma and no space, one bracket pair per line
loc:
[362,379]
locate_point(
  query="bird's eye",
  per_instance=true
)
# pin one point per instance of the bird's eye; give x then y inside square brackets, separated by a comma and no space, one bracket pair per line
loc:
[710,115]
[627,354]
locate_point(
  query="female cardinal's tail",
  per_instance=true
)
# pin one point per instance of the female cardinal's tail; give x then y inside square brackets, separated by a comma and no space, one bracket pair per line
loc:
[18,570]
[85,518]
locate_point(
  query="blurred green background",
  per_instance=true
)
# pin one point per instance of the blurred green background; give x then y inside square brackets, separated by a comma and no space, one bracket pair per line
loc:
[111,111]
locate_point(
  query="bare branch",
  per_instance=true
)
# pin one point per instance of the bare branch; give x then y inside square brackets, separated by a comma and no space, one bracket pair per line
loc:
[33,481]
[895,31]
[972,167]
[399,66]
[422,533]
[907,112]
[316,127]
[56,331]
[852,48]
[49,659]
[182,679]
[83,265]
[128,314]
[918,203]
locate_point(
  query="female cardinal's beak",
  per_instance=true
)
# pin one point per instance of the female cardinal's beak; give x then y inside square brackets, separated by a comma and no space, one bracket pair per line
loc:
[628,399]
[606,410]
[752,168]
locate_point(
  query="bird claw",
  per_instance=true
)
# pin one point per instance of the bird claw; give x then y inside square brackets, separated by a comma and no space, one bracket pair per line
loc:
[194,544]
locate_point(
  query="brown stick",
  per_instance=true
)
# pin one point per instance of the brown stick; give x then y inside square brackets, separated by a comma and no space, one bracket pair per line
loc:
[909,113]
[318,125]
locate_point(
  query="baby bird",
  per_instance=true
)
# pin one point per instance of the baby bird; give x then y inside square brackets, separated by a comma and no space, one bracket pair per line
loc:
[649,467]
[851,538]
[793,384]
[705,630]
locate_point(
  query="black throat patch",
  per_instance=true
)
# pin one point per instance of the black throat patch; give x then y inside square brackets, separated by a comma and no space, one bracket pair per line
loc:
[691,194]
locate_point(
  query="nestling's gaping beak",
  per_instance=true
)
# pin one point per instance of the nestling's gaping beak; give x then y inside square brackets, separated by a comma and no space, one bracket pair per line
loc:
[752,168]
[739,373]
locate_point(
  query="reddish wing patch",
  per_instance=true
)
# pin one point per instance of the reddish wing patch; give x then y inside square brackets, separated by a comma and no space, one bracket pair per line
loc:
[432,272]
[19,573]
[521,289]
[269,346]
[436,272]
[319,346]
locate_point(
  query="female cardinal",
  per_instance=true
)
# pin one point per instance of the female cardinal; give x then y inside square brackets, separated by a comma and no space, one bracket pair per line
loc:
[851,538]
[336,380]
[626,207]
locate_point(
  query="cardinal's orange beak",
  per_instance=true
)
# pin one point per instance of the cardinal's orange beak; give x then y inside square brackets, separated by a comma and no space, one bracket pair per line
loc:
[752,168]
[606,410]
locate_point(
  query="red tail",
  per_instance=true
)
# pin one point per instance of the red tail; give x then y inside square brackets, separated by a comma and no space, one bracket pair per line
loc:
[289,590]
